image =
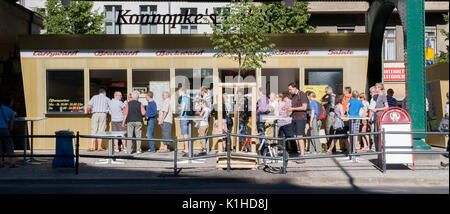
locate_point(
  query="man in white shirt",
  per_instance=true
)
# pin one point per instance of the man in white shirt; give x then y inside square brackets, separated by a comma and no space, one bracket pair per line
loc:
[116,111]
[165,120]
[99,107]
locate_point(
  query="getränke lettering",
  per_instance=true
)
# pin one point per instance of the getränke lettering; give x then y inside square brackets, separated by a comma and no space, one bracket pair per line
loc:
[173,19]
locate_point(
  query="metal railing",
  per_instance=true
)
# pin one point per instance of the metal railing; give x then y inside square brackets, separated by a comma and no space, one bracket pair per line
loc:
[284,158]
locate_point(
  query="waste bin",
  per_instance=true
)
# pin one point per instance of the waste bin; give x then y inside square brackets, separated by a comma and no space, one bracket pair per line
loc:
[64,146]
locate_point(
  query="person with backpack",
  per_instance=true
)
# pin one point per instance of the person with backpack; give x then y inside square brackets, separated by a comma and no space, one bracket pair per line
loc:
[6,124]
[354,108]
[184,107]
[298,109]
[314,123]
[329,98]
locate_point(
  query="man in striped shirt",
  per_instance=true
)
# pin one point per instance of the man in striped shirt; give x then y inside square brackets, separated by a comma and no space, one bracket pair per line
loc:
[99,107]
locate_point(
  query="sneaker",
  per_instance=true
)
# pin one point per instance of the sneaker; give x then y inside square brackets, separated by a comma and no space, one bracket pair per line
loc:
[138,152]
[116,151]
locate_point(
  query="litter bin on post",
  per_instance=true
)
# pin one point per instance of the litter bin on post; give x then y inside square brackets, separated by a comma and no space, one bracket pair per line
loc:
[64,147]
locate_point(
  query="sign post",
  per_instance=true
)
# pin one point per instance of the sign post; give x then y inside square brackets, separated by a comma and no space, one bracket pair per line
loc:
[396,119]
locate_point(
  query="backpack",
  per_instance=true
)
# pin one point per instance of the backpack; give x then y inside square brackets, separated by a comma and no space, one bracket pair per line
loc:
[322,113]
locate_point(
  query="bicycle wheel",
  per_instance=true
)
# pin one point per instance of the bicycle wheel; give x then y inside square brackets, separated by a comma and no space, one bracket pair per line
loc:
[265,153]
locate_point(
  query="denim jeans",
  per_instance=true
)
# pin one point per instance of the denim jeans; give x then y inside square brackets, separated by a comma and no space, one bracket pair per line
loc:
[150,125]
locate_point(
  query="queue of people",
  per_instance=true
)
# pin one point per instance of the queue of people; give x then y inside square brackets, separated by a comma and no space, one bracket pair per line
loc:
[305,110]
[128,116]
[307,115]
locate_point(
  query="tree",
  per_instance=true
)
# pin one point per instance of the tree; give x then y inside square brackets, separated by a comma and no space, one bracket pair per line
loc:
[241,35]
[77,18]
[443,56]
[242,32]
[280,19]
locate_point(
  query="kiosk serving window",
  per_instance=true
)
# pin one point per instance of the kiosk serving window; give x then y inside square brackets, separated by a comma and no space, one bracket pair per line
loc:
[323,76]
[65,91]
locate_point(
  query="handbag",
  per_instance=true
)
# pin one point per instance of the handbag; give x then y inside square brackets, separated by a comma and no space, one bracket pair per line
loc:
[443,125]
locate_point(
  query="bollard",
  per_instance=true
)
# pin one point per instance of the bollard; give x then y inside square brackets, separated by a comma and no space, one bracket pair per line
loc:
[77,153]
[175,156]
[284,156]
[228,152]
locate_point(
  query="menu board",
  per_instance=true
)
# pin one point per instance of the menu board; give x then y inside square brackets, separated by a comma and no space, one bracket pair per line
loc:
[65,105]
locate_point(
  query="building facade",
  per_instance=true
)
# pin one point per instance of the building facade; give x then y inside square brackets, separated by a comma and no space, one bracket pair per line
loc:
[326,16]
[61,77]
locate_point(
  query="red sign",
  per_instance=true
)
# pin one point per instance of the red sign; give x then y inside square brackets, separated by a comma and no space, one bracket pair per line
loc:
[394,74]
[293,52]
[340,52]
[180,53]
[395,115]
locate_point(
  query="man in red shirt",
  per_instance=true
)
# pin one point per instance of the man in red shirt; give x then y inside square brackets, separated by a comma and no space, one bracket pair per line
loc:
[299,115]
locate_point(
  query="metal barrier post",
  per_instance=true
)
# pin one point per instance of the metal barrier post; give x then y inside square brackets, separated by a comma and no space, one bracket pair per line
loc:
[384,150]
[175,141]
[228,152]
[284,156]
[77,153]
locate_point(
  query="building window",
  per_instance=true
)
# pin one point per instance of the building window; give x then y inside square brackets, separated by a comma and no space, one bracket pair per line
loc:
[189,29]
[430,38]
[323,76]
[148,28]
[389,49]
[112,12]
[65,91]
[350,29]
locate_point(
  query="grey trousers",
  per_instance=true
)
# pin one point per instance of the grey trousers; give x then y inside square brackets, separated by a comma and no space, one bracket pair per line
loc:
[134,130]
[166,129]
[316,146]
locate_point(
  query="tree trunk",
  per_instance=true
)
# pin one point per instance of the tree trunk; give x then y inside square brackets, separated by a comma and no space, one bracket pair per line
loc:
[236,111]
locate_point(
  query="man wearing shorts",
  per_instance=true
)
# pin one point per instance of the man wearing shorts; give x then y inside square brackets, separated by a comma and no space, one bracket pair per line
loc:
[299,118]
[99,106]
[116,107]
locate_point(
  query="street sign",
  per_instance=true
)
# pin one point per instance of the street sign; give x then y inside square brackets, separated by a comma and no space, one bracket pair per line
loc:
[396,119]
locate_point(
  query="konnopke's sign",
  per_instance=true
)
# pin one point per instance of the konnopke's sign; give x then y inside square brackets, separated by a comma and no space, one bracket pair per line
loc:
[181,53]
[169,19]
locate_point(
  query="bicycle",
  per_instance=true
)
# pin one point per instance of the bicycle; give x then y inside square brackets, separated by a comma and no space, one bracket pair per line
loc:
[266,149]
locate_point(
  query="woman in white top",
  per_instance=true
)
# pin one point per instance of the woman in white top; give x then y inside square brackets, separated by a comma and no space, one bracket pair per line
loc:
[203,124]
[364,112]
[273,102]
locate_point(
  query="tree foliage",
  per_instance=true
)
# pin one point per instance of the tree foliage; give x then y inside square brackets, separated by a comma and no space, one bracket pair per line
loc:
[77,18]
[242,32]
